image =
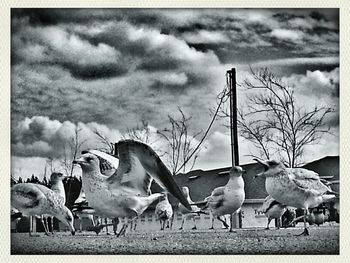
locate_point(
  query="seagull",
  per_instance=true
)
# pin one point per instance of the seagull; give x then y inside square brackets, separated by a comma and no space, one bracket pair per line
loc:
[189,213]
[227,199]
[58,187]
[81,209]
[35,199]
[164,211]
[126,193]
[273,209]
[16,216]
[296,187]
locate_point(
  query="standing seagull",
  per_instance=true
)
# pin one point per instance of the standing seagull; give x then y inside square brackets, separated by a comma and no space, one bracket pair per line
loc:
[58,187]
[227,199]
[297,187]
[186,213]
[126,193]
[273,210]
[81,209]
[164,211]
[35,199]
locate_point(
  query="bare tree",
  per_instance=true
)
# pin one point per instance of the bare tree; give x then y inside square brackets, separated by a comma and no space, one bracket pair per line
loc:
[274,122]
[180,143]
[141,133]
[71,149]
[109,146]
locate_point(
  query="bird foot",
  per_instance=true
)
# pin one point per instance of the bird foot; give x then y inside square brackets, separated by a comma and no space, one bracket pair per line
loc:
[211,227]
[232,231]
[305,232]
[267,228]
[194,228]
[180,228]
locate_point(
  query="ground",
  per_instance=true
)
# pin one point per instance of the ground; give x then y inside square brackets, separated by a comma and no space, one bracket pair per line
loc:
[323,240]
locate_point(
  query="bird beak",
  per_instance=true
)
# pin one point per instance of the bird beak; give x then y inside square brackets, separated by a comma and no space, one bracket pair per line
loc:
[244,171]
[79,161]
[263,163]
[73,233]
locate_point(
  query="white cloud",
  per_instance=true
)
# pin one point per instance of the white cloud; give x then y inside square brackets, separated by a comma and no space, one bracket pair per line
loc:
[287,34]
[207,37]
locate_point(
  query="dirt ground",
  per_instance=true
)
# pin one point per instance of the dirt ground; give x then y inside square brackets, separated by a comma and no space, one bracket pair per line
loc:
[323,240]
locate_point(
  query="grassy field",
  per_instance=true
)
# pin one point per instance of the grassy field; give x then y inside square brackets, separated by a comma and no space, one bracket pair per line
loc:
[323,240]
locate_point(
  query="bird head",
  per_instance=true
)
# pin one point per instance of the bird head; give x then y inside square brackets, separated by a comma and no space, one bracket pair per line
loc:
[236,171]
[67,218]
[88,162]
[271,168]
[57,176]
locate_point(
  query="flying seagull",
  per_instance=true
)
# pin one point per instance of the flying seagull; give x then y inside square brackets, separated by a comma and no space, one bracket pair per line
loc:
[297,187]
[35,199]
[126,193]
[164,211]
[227,199]
[273,210]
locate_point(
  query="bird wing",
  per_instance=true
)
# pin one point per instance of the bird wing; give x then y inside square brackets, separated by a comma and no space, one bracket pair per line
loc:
[26,196]
[218,191]
[129,173]
[308,181]
[138,163]
[108,163]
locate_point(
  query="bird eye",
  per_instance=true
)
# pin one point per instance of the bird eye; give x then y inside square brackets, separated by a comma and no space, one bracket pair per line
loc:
[89,159]
[68,218]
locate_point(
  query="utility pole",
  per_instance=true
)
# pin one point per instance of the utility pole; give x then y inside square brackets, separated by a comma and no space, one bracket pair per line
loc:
[233,116]
[236,220]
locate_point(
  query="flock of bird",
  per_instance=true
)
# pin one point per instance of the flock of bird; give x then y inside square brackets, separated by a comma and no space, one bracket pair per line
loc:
[118,186]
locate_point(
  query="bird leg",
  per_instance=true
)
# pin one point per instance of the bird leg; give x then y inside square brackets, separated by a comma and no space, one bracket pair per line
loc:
[268,223]
[182,223]
[161,224]
[306,230]
[52,225]
[278,223]
[123,230]
[115,222]
[212,222]
[194,221]
[231,221]
[222,221]
[44,223]
[106,222]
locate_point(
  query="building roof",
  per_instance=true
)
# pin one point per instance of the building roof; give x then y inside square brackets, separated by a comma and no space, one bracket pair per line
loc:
[202,183]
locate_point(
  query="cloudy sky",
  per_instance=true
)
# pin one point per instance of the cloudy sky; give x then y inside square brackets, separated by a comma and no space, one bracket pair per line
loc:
[109,69]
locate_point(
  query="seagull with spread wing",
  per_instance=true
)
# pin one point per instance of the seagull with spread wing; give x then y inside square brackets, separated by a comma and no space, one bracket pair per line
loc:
[126,193]
[296,187]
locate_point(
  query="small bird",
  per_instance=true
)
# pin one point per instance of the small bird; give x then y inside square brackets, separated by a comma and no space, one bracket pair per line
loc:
[227,199]
[273,210]
[16,216]
[164,211]
[296,187]
[58,187]
[126,193]
[81,209]
[35,199]
[189,213]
